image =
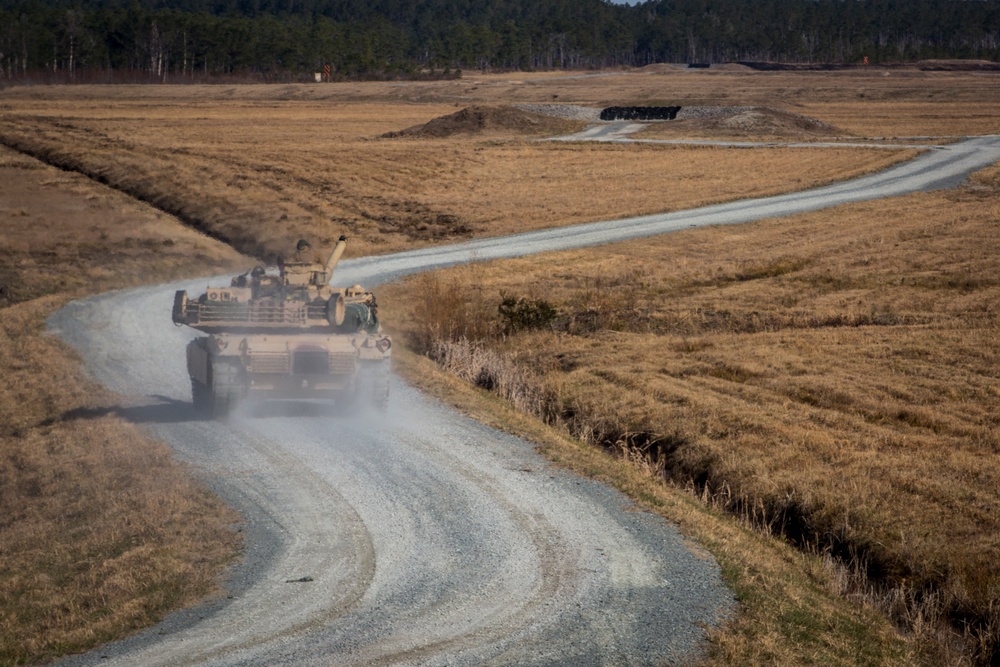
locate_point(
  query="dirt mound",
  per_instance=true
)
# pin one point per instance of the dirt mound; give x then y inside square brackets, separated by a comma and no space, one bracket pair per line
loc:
[767,66]
[660,68]
[730,67]
[764,120]
[749,121]
[489,120]
[958,65]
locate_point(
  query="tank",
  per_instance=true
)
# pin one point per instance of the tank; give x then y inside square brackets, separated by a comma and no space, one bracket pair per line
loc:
[286,333]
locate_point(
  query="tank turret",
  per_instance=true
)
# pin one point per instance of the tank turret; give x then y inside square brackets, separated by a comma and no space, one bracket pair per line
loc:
[297,298]
[285,333]
[301,272]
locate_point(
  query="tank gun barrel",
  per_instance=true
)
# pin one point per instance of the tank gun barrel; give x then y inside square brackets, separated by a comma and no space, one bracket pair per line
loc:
[331,263]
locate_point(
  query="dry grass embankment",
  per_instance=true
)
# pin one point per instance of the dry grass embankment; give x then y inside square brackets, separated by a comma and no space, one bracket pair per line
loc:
[101,532]
[308,169]
[831,378]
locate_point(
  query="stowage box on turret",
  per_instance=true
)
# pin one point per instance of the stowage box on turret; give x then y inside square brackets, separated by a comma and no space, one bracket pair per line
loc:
[285,335]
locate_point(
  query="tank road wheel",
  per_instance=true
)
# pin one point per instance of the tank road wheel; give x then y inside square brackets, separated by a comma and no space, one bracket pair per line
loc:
[227,388]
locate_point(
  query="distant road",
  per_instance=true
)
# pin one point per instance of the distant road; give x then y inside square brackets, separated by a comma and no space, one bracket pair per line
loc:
[422,537]
[620,132]
[941,168]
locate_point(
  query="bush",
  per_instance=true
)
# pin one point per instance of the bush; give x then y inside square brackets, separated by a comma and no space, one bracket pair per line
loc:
[520,313]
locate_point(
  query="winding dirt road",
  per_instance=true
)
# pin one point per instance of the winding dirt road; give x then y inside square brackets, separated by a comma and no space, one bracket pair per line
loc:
[416,537]
[421,537]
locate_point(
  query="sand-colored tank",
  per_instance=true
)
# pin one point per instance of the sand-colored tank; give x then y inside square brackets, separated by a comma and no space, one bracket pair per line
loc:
[286,334]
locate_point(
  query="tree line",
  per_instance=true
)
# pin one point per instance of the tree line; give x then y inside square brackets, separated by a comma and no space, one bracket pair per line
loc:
[288,40]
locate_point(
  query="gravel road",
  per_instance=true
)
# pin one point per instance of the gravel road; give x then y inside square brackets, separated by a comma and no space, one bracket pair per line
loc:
[420,536]
[414,537]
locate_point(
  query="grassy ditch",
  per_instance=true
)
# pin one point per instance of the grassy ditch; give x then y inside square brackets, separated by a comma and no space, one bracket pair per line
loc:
[101,531]
[830,379]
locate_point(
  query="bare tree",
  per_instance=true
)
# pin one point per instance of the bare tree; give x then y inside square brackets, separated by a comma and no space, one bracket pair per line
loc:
[72,29]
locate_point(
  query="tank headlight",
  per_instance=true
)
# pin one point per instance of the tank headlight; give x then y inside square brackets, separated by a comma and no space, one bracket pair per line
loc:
[384,344]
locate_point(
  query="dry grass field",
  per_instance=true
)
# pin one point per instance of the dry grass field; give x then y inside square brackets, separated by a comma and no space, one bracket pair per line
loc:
[260,175]
[101,532]
[828,375]
[942,99]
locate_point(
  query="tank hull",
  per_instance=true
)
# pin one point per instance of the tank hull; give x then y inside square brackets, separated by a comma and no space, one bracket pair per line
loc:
[228,369]
[285,335]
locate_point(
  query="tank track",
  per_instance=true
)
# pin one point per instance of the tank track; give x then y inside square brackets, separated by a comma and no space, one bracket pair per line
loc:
[224,393]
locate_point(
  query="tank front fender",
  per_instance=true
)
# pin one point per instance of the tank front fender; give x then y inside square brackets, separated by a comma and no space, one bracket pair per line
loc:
[180,307]
[198,362]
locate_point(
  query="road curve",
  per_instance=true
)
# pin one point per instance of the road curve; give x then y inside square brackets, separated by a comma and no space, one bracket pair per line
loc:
[422,537]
